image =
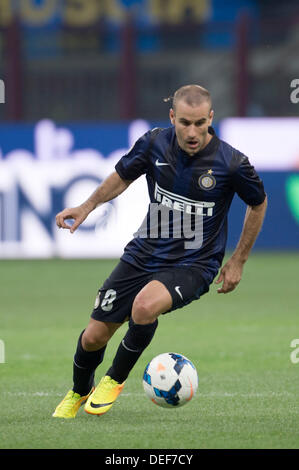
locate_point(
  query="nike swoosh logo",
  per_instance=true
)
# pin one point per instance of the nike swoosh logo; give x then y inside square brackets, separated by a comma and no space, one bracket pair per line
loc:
[177,289]
[94,405]
[157,163]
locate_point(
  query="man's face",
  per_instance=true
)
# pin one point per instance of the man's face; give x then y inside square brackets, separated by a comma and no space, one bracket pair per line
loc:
[191,125]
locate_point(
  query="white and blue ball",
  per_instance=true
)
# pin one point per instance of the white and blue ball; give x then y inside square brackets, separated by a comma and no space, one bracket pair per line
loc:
[170,380]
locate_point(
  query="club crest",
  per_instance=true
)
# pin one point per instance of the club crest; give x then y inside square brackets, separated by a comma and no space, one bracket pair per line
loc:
[207,181]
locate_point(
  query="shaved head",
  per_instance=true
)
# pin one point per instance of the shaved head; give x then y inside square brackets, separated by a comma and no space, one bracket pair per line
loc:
[193,95]
[192,115]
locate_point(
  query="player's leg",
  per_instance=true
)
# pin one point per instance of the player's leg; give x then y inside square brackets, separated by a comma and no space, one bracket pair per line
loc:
[112,306]
[166,291]
[169,290]
[149,303]
[89,354]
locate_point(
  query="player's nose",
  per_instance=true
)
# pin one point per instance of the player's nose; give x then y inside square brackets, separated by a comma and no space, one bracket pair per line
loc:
[191,132]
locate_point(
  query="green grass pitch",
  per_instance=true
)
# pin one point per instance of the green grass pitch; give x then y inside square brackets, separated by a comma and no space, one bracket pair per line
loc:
[239,342]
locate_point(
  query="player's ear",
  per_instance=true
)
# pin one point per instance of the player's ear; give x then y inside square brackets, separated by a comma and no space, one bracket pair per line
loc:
[172,116]
[211,116]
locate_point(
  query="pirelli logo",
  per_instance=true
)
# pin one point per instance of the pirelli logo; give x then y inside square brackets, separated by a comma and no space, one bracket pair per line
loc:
[186,221]
[183,204]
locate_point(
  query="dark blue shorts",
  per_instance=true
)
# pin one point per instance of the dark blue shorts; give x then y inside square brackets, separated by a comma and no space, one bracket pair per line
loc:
[115,298]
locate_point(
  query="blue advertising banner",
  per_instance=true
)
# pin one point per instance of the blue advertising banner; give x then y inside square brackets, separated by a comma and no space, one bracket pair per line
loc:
[46,167]
[281,225]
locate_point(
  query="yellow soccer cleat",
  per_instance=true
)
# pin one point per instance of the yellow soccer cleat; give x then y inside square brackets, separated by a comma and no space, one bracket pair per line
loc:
[69,406]
[105,394]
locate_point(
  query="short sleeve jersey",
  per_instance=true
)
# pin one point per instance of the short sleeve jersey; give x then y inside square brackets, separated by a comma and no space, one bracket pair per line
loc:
[191,195]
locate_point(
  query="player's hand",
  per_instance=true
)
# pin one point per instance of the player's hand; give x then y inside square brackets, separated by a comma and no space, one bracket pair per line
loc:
[78,214]
[230,276]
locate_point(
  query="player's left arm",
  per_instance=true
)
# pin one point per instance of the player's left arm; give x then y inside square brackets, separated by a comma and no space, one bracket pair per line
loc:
[231,272]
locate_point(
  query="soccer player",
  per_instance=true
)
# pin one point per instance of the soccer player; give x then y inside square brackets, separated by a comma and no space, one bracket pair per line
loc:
[192,177]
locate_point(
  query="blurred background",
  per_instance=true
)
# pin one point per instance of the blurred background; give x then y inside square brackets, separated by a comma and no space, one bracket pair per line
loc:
[81,80]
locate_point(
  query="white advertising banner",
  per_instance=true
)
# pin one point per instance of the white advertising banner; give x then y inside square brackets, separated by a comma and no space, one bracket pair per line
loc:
[35,186]
[271,144]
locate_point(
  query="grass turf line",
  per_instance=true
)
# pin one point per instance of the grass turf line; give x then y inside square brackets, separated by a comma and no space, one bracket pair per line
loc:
[239,342]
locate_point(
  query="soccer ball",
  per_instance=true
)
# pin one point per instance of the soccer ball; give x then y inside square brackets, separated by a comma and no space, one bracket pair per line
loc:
[170,380]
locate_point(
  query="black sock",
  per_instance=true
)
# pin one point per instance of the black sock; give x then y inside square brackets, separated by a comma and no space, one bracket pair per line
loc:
[84,366]
[130,349]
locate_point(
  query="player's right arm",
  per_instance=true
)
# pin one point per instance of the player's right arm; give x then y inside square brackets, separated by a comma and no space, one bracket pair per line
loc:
[109,189]
[132,165]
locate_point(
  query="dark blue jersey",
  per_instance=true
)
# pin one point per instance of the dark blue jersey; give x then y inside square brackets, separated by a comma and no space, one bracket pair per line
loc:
[190,197]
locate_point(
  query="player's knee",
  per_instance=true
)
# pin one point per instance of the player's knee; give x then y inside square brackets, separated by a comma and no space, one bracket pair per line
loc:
[92,341]
[143,312]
